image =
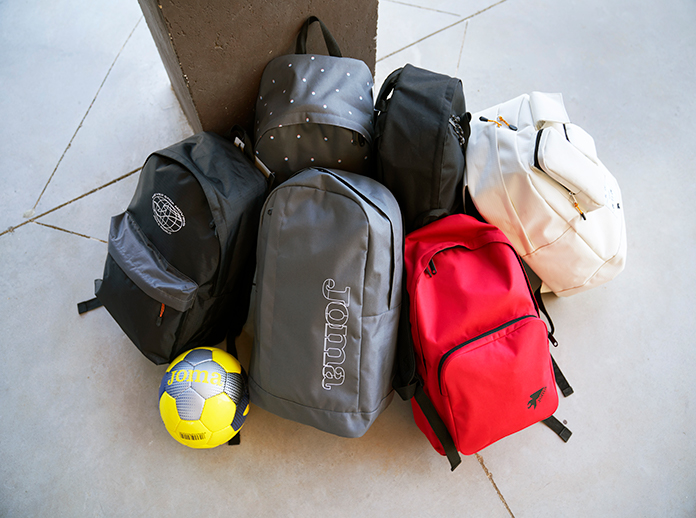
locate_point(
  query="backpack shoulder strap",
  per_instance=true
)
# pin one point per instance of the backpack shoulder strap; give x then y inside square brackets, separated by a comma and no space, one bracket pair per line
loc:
[558,427]
[88,305]
[408,384]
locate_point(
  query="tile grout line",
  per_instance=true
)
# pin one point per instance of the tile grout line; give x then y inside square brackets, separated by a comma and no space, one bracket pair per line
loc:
[461,49]
[441,30]
[421,7]
[490,478]
[34,218]
[30,213]
[69,231]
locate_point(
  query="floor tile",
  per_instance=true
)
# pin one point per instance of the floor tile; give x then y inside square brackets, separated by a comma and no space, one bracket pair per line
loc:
[81,433]
[91,215]
[135,114]
[400,24]
[439,53]
[54,58]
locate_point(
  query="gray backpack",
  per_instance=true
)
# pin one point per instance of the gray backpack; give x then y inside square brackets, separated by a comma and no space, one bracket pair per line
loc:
[315,111]
[328,295]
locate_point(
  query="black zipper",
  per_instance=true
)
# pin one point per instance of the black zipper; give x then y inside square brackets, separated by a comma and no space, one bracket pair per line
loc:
[464,344]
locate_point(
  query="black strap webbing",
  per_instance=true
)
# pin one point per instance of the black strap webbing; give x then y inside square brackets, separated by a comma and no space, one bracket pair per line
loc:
[558,427]
[88,305]
[438,426]
[408,385]
[561,380]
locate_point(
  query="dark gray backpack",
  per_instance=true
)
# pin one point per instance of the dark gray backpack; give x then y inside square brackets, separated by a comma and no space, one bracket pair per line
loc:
[180,266]
[421,133]
[315,111]
[328,294]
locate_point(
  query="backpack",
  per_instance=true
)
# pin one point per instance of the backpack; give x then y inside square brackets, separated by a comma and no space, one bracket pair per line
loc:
[328,294]
[315,111]
[537,177]
[474,356]
[180,263]
[421,133]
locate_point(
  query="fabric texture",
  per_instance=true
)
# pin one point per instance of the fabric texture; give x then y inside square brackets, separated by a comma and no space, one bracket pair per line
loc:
[481,351]
[181,257]
[315,111]
[421,133]
[537,177]
[329,265]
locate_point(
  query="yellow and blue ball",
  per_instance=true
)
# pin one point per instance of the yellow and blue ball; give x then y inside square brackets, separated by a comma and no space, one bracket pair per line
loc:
[204,397]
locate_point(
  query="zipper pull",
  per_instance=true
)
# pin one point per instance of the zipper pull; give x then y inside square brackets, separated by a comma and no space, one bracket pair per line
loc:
[159,318]
[483,119]
[432,267]
[553,340]
[513,128]
[577,206]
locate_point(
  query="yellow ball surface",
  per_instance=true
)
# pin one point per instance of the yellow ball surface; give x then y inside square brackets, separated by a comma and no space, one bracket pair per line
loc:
[204,399]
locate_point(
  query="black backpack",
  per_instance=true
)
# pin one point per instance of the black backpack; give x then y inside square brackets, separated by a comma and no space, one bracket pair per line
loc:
[181,258]
[421,133]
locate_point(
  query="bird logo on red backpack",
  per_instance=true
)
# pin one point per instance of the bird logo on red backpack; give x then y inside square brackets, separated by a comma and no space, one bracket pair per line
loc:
[536,397]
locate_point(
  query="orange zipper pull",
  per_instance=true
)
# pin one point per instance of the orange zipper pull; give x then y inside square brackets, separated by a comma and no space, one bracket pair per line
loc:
[484,119]
[159,318]
[577,206]
[513,128]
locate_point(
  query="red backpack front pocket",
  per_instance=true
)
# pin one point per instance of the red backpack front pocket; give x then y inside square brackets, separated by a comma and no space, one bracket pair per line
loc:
[496,384]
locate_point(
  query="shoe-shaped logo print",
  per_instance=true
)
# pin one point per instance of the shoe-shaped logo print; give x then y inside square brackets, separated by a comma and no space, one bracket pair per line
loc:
[536,397]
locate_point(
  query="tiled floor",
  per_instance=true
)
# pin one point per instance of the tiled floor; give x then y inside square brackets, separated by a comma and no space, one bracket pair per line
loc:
[85,99]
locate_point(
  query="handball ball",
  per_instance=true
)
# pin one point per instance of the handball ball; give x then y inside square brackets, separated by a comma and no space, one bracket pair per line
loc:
[204,398]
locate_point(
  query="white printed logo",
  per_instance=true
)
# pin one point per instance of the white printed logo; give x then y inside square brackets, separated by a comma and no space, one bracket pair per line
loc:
[167,215]
[335,331]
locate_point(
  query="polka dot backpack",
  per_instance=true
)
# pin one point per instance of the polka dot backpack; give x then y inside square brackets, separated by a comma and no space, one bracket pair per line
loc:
[315,111]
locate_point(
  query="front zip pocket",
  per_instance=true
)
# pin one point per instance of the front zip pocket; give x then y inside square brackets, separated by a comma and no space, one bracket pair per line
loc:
[145,294]
[498,383]
[461,346]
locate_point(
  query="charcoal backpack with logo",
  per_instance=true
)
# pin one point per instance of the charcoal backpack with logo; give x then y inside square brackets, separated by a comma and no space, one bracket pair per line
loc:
[473,351]
[328,296]
[180,263]
[421,134]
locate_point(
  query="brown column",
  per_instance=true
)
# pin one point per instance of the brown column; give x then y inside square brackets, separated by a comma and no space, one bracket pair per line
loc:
[215,51]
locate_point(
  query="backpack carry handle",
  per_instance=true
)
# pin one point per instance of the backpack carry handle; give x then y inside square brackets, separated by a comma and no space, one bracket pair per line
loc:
[331,44]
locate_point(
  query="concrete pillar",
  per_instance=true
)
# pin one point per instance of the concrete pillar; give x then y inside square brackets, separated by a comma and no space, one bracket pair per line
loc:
[215,51]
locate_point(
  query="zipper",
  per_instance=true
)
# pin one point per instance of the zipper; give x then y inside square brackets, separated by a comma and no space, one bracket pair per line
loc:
[456,123]
[464,344]
[358,139]
[159,318]
[571,194]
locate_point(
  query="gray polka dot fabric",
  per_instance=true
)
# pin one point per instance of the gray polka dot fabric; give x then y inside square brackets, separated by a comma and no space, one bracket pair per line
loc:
[315,111]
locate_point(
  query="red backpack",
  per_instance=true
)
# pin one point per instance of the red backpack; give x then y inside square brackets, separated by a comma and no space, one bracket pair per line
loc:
[475,362]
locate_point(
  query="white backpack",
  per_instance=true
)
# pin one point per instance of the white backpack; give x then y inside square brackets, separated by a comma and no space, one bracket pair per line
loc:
[536,176]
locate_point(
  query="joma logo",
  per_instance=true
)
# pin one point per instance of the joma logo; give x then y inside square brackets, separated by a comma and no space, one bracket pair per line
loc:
[195,375]
[335,331]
